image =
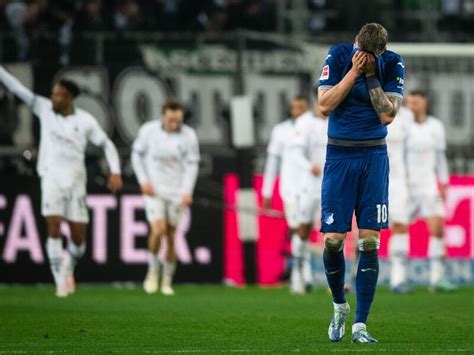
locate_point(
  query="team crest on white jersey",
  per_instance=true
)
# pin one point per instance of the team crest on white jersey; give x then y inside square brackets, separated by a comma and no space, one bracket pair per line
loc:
[325,73]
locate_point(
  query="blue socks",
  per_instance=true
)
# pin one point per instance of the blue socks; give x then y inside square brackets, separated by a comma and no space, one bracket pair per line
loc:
[366,282]
[335,267]
[367,273]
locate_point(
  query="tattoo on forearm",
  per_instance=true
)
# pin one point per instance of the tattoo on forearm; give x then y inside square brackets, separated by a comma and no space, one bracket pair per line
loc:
[396,102]
[384,103]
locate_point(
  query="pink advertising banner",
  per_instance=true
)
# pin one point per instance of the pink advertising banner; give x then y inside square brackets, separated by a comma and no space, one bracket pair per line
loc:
[272,242]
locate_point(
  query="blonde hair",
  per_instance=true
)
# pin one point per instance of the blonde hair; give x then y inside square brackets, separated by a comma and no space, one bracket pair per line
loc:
[372,37]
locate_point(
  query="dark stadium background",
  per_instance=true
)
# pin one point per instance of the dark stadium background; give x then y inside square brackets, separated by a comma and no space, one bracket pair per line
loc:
[204,53]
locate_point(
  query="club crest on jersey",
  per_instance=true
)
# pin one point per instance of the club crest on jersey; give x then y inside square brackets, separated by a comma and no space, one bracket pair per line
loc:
[325,73]
[329,218]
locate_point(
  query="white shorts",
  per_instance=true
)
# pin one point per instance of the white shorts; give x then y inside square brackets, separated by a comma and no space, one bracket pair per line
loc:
[157,208]
[426,205]
[301,209]
[69,203]
[398,203]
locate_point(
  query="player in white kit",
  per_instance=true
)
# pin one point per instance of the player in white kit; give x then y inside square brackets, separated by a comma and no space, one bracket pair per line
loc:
[65,132]
[314,127]
[165,158]
[399,212]
[427,165]
[289,157]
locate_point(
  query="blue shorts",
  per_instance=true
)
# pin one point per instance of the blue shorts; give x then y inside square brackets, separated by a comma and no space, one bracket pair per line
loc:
[355,180]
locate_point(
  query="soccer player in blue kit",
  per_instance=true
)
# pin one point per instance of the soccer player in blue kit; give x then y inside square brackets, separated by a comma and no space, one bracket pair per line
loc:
[361,89]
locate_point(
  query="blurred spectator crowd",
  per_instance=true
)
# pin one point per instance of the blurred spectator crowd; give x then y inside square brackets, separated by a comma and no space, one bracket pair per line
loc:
[137,15]
[219,15]
[64,18]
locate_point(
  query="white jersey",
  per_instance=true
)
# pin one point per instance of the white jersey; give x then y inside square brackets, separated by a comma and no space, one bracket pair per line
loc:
[396,145]
[169,161]
[315,129]
[288,144]
[424,142]
[64,141]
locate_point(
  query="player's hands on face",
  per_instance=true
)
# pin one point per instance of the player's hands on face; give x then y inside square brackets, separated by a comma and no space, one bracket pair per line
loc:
[370,66]
[115,183]
[147,189]
[358,61]
[186,200]
[316,170]
[266,203]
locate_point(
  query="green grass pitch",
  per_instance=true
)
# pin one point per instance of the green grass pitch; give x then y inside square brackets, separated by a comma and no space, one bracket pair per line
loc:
[215,319]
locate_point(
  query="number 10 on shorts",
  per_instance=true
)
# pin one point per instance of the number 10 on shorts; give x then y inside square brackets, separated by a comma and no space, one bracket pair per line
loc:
[382,213]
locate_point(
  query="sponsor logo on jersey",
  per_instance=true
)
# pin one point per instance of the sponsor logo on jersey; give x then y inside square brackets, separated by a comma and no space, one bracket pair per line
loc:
[325,73]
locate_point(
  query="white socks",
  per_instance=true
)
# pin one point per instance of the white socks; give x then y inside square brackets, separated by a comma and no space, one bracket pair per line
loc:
[398,249]
[153,262]
[296,277]
[436,253]
[307,270]
[75,253]
[169,268]
[54,250]
[297,246]
[301,272]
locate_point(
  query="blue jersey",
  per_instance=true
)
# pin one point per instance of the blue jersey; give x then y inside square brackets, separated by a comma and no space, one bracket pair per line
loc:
[355,117]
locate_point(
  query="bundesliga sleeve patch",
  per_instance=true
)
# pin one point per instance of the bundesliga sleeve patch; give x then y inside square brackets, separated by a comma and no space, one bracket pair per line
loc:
[325,73]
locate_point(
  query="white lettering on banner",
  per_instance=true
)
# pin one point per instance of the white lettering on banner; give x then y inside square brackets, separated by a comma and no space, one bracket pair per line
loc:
[202,255]
[131,229]
[3,204]
[206,96]
[455,236]
[99,204]
[137,97]
[453,104]
[220,59]
[23,220]
[22,232]
[457,194]
[271,95]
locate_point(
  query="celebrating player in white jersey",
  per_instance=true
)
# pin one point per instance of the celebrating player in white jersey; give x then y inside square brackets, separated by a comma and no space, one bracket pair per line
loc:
[65,132]
[289,150]
[165,158]
[398,199]
[427,165]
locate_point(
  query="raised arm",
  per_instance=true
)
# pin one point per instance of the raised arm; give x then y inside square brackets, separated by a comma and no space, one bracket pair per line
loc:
[38,104]
[386,105]
[16,87]
[330,97]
